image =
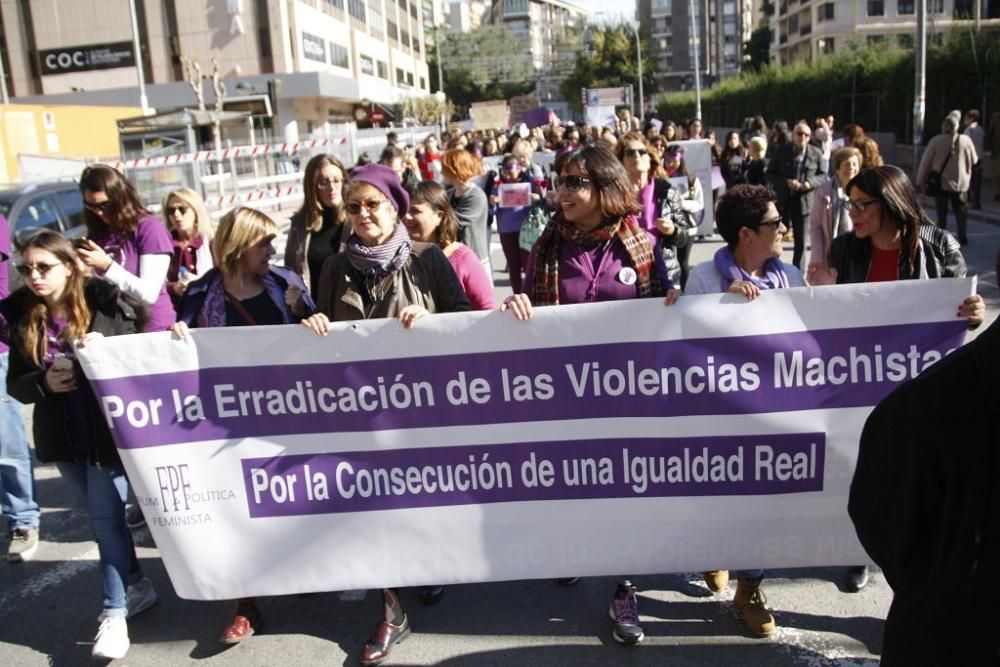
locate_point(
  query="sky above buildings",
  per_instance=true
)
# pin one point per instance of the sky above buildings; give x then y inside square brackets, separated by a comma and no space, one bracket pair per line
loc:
[612,8]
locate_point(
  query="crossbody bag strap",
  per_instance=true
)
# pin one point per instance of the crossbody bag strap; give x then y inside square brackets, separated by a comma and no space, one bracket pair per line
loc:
[241,309]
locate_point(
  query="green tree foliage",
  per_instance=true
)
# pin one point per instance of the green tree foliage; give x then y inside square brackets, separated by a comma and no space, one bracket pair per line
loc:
[607,60]
[758,48]
[483,64]
[870,85]
[425,109]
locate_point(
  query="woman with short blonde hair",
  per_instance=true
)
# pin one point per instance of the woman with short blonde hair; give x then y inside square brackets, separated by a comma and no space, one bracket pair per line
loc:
[191,228]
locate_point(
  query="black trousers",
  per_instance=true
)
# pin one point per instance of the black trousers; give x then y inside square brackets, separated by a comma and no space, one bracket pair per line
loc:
[958,201]
[798,225]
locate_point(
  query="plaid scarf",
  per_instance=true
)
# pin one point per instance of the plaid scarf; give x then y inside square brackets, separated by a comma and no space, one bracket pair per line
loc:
[545,285]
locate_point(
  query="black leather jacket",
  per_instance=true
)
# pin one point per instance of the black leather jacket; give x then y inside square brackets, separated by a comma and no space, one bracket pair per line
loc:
[940,256]
[667,201]
[112,315]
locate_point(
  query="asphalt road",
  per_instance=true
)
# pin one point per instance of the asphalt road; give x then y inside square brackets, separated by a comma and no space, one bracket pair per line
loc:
[48,607]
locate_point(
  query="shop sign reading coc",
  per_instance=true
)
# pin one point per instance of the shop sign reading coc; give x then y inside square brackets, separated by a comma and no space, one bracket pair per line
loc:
[86,58]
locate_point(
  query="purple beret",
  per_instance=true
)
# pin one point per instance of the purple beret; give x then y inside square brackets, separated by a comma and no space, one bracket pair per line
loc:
[386,181]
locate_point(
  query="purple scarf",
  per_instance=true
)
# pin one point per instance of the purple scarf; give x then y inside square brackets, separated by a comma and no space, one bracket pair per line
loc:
[726,266]
[382,259]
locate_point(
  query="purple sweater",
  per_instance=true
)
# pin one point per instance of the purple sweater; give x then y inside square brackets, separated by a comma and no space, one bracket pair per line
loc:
[589,275]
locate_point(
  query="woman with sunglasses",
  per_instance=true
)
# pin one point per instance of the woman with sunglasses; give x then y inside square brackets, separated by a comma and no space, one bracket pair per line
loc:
[244,290]
[892,239]
[662,212]
[748,220]
[56,311]
[595,250]
[125,243]
[432,220]
[317,228]
[191,229]
[382,273]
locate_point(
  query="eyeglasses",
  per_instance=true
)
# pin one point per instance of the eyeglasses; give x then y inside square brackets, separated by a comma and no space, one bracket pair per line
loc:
[858,205]
[177,209]
[373,205]
[573,182]
[636,152]
[777,222]
[26,269]
[99,207]
[511,167]
[328,184]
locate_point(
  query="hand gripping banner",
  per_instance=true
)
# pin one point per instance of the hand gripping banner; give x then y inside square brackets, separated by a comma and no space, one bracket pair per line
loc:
[596,439]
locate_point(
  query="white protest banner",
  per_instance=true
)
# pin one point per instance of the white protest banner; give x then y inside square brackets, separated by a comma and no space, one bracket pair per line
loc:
[698,159]
[515,195]
[594,439]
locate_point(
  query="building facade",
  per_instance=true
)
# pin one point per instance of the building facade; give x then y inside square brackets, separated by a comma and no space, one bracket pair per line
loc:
[540,26]
[722,27]
[316,61]
[807,29]
[466,15]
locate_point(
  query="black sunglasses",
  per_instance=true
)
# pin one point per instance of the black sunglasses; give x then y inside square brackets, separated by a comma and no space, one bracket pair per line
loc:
[177,209]
[573,182]
[99,207]
[635,152]
[777,222]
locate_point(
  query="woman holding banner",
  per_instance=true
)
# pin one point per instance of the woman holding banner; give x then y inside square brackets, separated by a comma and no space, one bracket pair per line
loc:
[383,273]
[892,239]
[432,220]
[750,263]
[54,313]
[595,250]
[245,290]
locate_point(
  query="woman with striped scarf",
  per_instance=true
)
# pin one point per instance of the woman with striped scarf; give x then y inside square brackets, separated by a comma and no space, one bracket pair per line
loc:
[595,250]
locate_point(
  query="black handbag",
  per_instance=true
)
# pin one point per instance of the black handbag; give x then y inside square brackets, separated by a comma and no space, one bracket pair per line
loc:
[933,185]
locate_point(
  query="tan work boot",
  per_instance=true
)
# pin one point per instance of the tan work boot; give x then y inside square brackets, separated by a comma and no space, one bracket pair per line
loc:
[716,580]
[750,601]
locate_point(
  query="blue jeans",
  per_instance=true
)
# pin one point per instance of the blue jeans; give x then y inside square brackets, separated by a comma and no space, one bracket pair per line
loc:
[17,479]
[105,490]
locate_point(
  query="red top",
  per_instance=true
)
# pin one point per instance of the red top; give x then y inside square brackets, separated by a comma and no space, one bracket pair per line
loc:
[885,266]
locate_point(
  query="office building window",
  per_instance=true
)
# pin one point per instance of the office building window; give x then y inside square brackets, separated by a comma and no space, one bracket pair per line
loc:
[876,7]
[367,65]
[356,8]
[905,40]
[905,7]
[392,31]
[826,45]
[337,4]
[824,12]
[383,70]
[338,56]
[875,39]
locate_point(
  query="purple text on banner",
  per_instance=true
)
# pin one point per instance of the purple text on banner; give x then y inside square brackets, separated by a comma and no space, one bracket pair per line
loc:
[833,368]
[330,483]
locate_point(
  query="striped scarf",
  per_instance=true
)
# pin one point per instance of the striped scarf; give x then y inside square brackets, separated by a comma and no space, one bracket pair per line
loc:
[545,285]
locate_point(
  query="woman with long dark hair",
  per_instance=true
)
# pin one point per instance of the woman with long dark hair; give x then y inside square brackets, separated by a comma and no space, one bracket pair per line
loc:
[56,311]
[432,220]
[126,244]
[692,198]
[317,228]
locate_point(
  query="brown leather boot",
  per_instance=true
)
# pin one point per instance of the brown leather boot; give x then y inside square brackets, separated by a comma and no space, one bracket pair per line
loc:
[750,603]
[394,628]
[716,580]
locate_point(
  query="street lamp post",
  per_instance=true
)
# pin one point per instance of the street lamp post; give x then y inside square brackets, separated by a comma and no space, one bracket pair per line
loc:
[697,65]
[919,83]
[143,102]
[638,59]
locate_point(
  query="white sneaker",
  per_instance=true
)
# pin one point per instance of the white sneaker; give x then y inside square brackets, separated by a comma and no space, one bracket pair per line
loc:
[140,597]
[111,642]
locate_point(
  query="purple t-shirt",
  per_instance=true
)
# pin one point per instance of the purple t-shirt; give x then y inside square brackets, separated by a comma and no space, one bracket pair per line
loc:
[4,270]
[649,214]
[472,274]
[151,238]
[587,275]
